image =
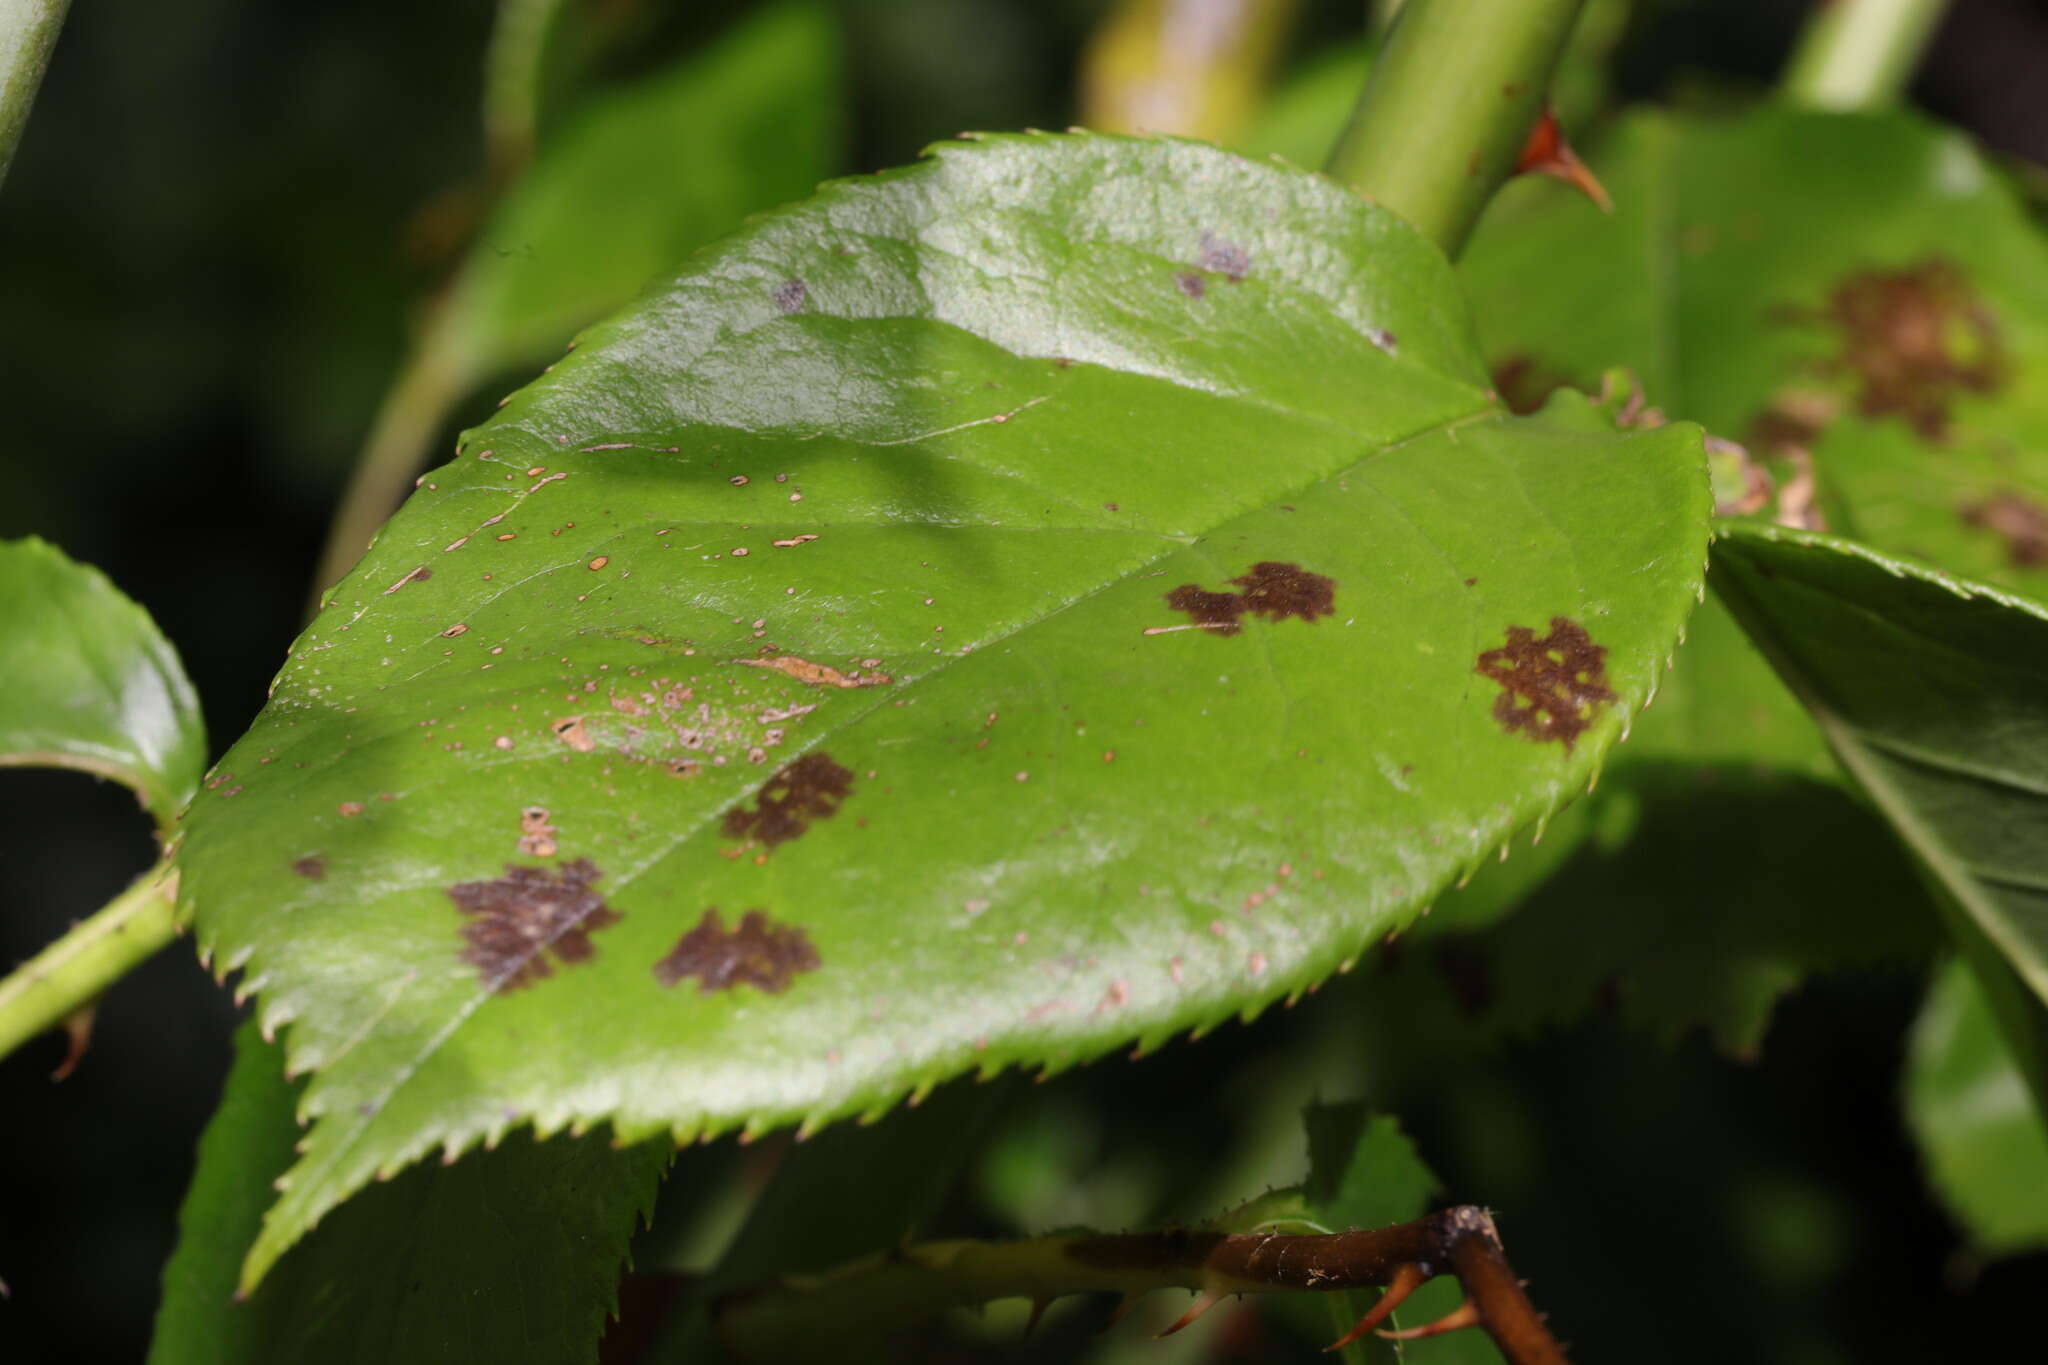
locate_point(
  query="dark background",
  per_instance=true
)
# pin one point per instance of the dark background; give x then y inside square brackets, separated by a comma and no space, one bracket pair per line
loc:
[206,272]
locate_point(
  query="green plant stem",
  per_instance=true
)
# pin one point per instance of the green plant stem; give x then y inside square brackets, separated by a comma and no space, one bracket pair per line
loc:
[814,1317]
[28,30]
[427,388]
[1859,54]
[1448,106]
[77,969]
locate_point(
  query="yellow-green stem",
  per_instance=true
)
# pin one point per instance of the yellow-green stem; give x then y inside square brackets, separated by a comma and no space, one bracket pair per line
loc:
[77,969]
[1860,54]
[1448,106]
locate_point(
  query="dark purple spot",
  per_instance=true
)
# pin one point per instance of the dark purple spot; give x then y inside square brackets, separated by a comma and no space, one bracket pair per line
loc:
[1912,340]
[1191,284]
[1225,258]
[1550,688]
[789,296]
[811,788]
[1271,589]
[759,952]
[516,920]
[312,867]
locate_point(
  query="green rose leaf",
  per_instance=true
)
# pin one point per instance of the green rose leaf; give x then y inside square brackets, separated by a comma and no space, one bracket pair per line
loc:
[1933,693]
[88,682]
[1984,1142]
[513,1254]
[1855,296]
[1064,593]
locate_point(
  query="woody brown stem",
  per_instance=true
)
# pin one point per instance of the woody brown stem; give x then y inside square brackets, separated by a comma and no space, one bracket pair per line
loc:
[814,1316]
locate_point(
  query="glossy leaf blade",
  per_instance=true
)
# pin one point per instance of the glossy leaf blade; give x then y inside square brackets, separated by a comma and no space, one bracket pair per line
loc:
[512,1254]
[88,682]
[815,616]
[1934,694]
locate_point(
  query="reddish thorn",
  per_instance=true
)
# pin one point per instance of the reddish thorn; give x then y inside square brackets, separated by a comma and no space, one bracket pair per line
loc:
[1123,1306]
[1465,1314]
[1204,1301]
[1038,1307]
[1407,1279]
[1547,153]
[78,1037]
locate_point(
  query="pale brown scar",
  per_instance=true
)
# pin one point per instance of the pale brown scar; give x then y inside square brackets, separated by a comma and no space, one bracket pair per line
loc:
[1550,688]
[569,729]
[818,675]
[536,833]
[759,952]
[516,921]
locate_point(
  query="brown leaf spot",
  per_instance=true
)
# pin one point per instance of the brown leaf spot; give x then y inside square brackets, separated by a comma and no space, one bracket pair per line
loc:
[818,675]
[419,575]
[350,809]
[2019,521]
[1190,284]
[759,952]
[312,867]
[811,788]
[1550,687]
[516,920]
[1272,590]
[1277,591]
[789,296]
[1913,340]
[1225,258]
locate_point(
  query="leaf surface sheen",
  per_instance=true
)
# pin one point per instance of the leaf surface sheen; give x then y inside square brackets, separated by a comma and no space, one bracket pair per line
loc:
[996,407]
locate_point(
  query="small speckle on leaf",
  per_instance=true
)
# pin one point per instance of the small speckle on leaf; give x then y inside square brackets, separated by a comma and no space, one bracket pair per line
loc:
[812,788]
[536,833]
[312,867]
[2019,521]
[1271,589]
[350,809]
[1550,687]
[759,952]
[516,920]
[1190,284]
[789,296]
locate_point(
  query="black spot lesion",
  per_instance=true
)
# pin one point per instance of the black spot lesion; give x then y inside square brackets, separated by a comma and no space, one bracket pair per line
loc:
[516,921]
[2016,519]
[1551,687]
[758,952]
[312,867]
[1912,341]
[812,788]
[1269,589]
